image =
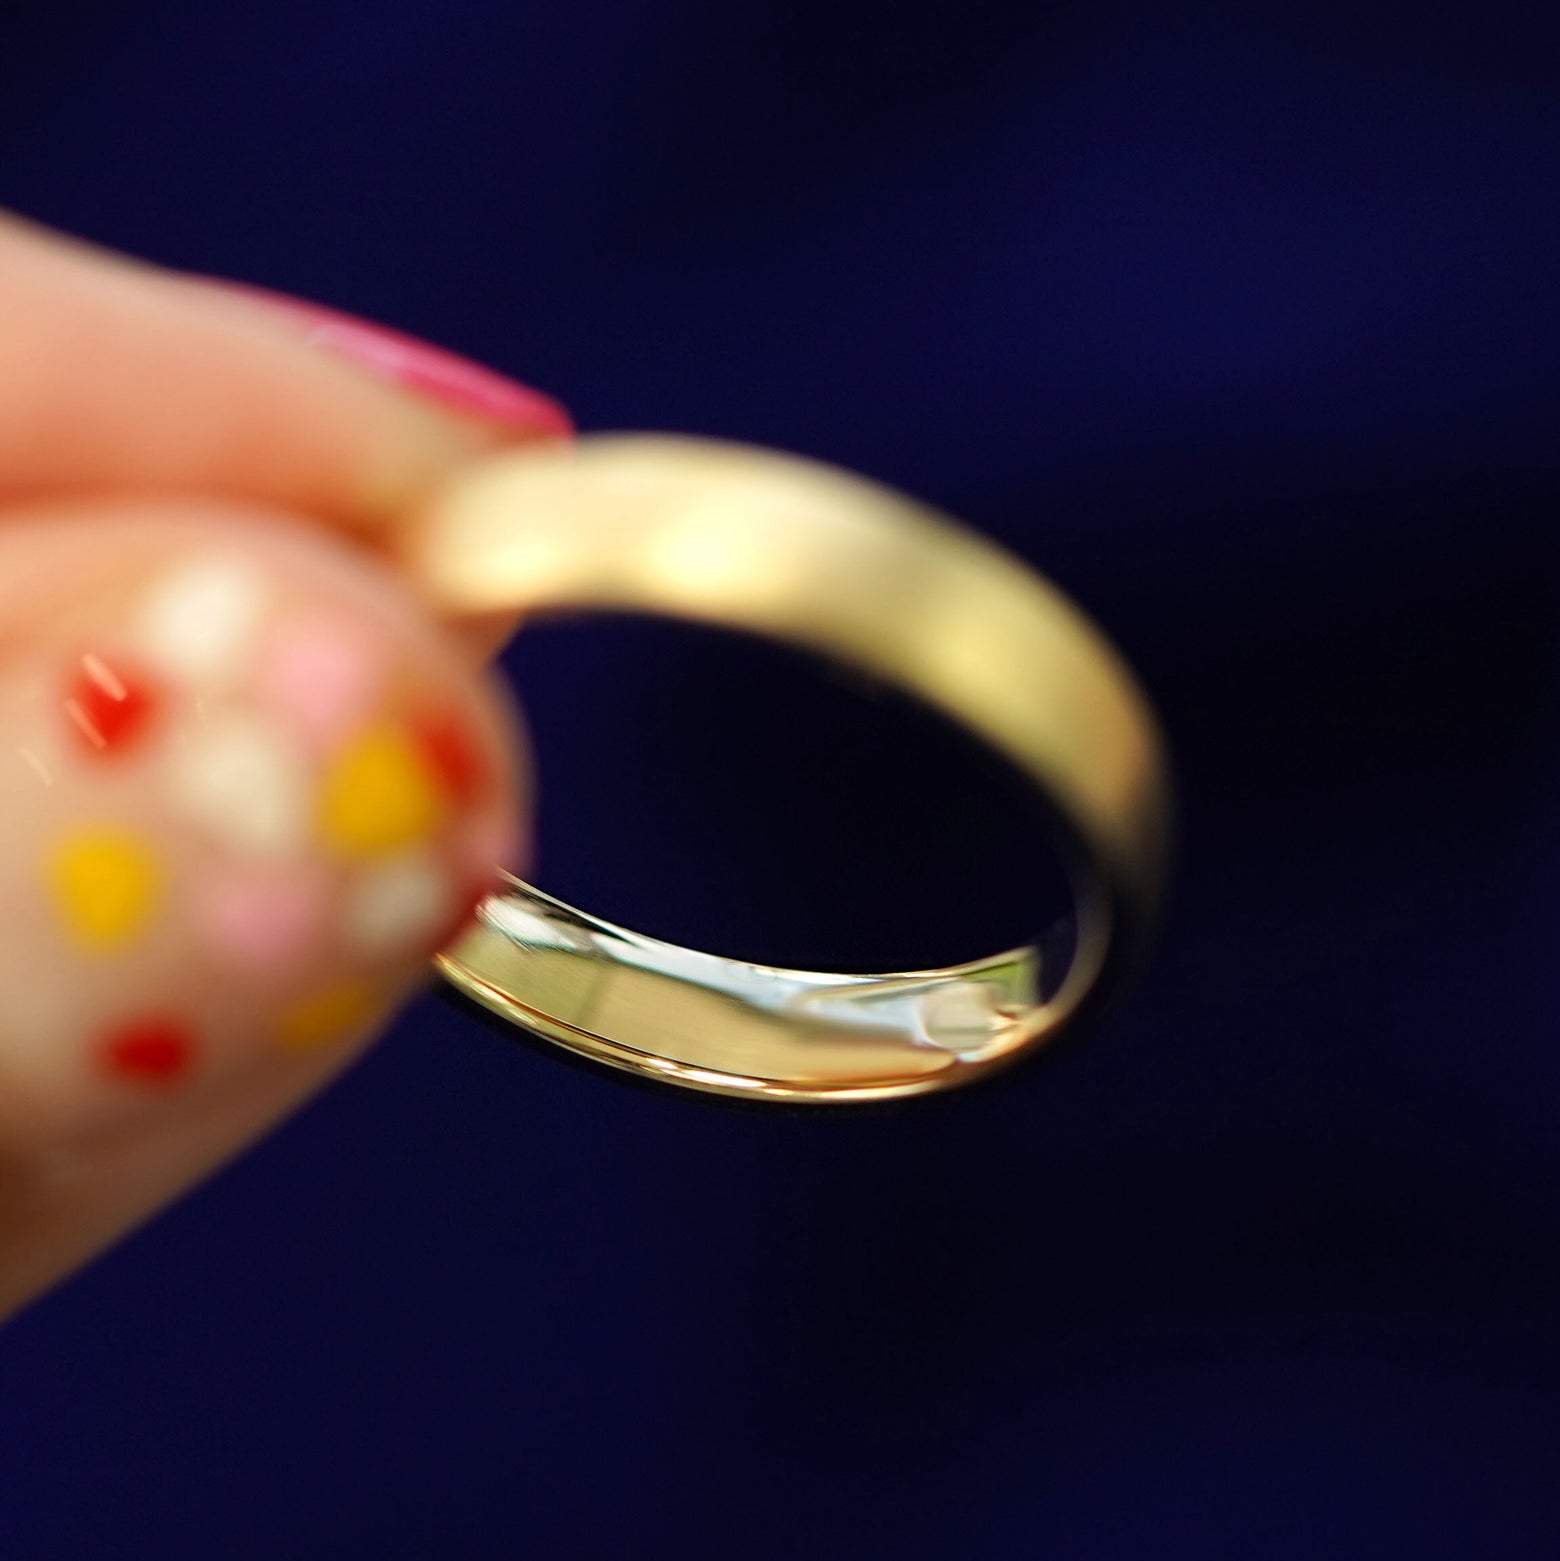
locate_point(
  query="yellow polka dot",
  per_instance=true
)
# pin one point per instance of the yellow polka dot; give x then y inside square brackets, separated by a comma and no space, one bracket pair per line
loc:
[331,1014]
[377,797]
[106,886]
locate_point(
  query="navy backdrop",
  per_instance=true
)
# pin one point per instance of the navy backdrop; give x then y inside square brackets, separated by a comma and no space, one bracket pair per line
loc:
[1242,322]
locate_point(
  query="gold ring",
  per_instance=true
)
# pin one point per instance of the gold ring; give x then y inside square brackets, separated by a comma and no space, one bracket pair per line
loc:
[770,544]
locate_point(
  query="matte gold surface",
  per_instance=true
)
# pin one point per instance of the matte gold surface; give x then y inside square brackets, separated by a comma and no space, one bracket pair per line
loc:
[752,540]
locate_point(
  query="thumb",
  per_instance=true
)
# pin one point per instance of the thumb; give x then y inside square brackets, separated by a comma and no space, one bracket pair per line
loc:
[247,787]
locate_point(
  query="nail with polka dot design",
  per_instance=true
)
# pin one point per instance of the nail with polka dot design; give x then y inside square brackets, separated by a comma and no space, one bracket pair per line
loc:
[255,795]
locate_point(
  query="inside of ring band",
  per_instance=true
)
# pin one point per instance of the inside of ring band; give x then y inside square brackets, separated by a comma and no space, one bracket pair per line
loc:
[739,1028]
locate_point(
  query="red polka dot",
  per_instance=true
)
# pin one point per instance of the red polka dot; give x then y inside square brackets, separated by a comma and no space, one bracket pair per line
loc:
[153,1050]
[110,709]
[451,753]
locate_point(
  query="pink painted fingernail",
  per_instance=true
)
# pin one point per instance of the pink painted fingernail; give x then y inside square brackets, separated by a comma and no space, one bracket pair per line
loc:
[246,791]
[415,365]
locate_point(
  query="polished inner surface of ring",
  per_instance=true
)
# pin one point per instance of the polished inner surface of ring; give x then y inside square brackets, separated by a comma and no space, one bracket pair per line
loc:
[839,567]
[702,1018]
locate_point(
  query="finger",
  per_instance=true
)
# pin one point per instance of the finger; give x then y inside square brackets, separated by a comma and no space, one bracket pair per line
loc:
[116,375]
[247,787]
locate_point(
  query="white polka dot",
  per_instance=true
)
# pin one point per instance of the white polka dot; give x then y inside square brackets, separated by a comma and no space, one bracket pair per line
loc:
[237,777]
[399,906]
[199,620]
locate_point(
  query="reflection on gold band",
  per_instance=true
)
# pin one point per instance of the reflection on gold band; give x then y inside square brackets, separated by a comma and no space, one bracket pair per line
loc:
[773,545]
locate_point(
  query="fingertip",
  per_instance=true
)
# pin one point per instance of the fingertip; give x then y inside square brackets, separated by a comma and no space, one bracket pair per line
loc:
[120,377]
[247,787]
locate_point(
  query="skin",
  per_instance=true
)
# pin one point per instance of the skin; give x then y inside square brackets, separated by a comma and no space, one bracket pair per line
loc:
[145,419]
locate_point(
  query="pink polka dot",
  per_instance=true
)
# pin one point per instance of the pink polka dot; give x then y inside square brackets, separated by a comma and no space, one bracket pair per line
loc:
[321,678]
[260,921]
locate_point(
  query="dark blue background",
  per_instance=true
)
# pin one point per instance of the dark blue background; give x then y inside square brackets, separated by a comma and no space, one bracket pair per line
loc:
[1242,322]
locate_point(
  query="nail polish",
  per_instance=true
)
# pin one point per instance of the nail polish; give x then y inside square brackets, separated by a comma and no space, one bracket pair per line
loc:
[245,806]
[415,365]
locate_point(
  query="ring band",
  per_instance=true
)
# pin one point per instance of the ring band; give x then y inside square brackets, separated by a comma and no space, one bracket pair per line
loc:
[746,539]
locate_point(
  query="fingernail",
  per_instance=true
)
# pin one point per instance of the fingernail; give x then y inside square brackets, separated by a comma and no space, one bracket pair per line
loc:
[414,365]
[245,792]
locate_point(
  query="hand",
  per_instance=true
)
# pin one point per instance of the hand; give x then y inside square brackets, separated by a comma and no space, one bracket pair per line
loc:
[247,783]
